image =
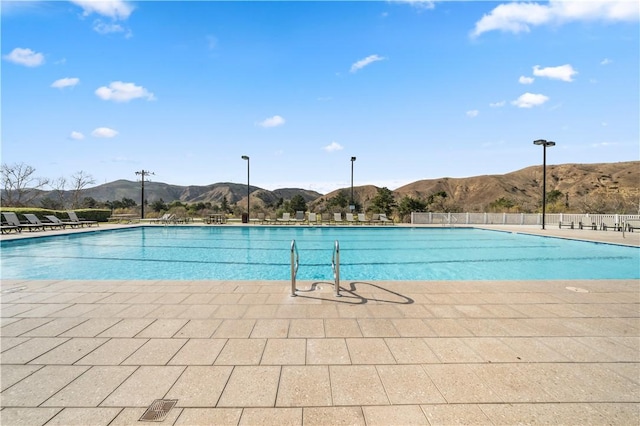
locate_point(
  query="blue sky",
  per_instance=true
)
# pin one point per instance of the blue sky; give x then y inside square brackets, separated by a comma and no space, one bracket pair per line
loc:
[415,90]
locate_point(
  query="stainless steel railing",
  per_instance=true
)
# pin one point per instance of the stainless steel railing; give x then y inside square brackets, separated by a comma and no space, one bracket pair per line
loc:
[335,264]
[295,262]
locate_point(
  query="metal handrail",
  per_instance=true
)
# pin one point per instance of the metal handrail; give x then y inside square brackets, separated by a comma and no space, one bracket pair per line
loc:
[295,262]
[335,264]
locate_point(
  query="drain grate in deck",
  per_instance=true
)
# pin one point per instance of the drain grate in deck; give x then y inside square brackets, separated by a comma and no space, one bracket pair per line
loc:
[158,410]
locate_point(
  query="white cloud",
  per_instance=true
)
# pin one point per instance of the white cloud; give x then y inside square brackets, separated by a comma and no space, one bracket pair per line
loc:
[119,91]
[114,9]
[104,132]
[520,17]
[65,82]
[102,27]
[473,113]
[366,61]
[333,146]
[26,57]
[420,4]
[77,135]
[525,80]
[497,104]
[606,61]
[528,100]
[562,72]
[274,121]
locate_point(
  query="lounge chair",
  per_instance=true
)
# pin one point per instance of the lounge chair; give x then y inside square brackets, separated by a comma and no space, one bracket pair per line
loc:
[609,223]
[12,220]
[337,218]
[55,219]
[5,228]
[313,218]
[299,217]
[350,219]
[325,218]
[363,219]
[286,218]
[33,220]
[73,217]
[632,225]
[587,223]
[384,219]
[259,218]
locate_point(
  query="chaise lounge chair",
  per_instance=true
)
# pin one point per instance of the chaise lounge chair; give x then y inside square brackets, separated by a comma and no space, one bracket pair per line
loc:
[299,217]
[337,218]
[587,223]
[12,220]
[313,219]
[384,219]
[33,220]
[55,219]
[350,219]
[363,219]
[286,218]
[5,228]
[73,217]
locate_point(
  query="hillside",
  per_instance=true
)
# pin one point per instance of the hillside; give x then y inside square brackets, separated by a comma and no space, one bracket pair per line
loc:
[603,187]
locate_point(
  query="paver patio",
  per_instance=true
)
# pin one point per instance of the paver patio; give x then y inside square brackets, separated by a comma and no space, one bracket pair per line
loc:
[246,353]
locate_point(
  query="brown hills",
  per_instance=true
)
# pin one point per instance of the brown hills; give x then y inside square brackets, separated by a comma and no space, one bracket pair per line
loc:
[596,188]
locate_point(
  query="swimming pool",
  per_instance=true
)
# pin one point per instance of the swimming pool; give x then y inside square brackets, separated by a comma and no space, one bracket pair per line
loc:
[248,253]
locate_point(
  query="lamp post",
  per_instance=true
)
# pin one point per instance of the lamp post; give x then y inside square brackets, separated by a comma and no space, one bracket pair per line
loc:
[246,157]
[544,144]
[143,173]
[352,205]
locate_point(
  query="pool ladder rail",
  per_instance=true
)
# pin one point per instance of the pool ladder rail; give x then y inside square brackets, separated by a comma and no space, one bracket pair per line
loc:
[335,265]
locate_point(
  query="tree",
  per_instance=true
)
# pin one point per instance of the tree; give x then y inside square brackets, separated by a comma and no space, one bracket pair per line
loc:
[298,203]
[159,206]
[408,204]
[383,202]
[20,186]
[79,181]
[340,200]
[224,205]
[58,188]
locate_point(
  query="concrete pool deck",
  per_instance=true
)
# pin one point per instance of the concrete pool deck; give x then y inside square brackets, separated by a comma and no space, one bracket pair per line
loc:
[385,353]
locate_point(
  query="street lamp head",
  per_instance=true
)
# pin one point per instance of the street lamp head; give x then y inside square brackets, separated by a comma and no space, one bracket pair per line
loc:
[544,142]
[353,158]
[245,157]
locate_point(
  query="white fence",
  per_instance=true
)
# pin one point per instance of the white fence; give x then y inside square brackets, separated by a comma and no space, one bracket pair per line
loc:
[551,219]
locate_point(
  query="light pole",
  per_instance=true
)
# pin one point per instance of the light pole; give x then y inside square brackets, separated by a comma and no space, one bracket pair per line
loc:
[352,205]
[143,173]
[246,157]
[544,144]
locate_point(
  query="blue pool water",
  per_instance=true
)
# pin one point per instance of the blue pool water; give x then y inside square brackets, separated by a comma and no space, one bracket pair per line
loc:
[246,253]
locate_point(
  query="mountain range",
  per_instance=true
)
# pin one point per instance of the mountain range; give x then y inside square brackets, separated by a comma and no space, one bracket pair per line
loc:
[578,183]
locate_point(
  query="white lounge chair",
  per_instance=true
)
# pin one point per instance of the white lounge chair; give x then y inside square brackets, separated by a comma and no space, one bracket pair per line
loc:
[363,219]
[286,218]
[350,219]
